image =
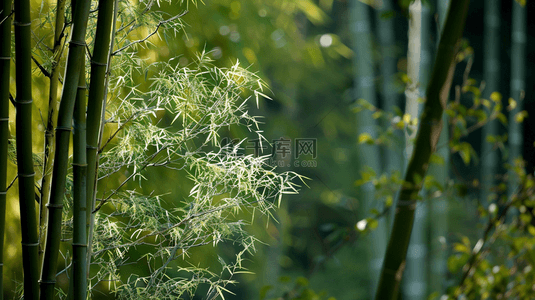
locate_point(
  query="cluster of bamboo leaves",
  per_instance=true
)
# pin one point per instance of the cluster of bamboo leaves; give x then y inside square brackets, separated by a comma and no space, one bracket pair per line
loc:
[128,114]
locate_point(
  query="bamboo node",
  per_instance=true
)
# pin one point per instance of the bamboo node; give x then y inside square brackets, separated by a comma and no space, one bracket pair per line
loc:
[27,175]
[77,43]
[4,119]
[3,193]
[82,87]
[47,281]
[99,63]
[17,23]
[54,205]
[91,147]
[5,57]
[63,128]
[29,244]
[79,245]
[79,165]
[25,101]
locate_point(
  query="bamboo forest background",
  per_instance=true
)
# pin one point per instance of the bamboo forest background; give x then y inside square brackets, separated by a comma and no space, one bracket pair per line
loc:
[348,77]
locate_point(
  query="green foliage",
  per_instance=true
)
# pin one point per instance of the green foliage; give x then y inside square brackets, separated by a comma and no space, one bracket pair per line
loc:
[175,126]
[173,117]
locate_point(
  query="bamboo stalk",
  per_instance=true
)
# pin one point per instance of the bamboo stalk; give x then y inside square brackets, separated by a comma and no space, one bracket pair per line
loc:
[430,127]
[52,116]
[419,64]
[364,88]
[79,243]
[439,206]
[23,124]
[5,61]
[386,36]
[96,101]
[518,84]
[65,113]
[491,74]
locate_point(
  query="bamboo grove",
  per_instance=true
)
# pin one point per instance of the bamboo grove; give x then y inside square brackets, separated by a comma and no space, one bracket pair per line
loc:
[126,115]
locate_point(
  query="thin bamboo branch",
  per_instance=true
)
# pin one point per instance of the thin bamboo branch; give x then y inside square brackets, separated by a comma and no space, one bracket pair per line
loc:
[150,34]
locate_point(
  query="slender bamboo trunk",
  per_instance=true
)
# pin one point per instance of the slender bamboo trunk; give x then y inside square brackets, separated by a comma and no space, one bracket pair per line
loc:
[5,61]
[385,34]
[95,106]
[419,61]
[23,124]
[65,113]
[57,50]
[79,242]
[491,74]
[438,221]
[368,154]
[518,71]
[430,127]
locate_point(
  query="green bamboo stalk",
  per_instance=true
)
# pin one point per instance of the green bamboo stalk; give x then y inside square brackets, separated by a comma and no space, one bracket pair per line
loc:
[65,113]
[23,124]
[79,242]
[368,154]
[491,75]
[385,34]
[96,101]
[430,127]
[439,206]
[415,283]
[518,71]
[5,61]
[49,149]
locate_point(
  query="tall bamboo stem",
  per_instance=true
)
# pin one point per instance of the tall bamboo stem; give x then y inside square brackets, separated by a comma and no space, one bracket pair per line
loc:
[364,88]
[439,206]
[52,116]
[65,113]
[23,124]
[385,34]
[79,242]
[419,61]
[5,61]
[95,106]
[491,74]
[518,84]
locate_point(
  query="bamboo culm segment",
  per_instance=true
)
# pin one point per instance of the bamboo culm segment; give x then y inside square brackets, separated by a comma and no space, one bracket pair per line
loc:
[426,141]
[23,124]
[65,113]
[49,149]
[79,243]
[96,98]
[5,61]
